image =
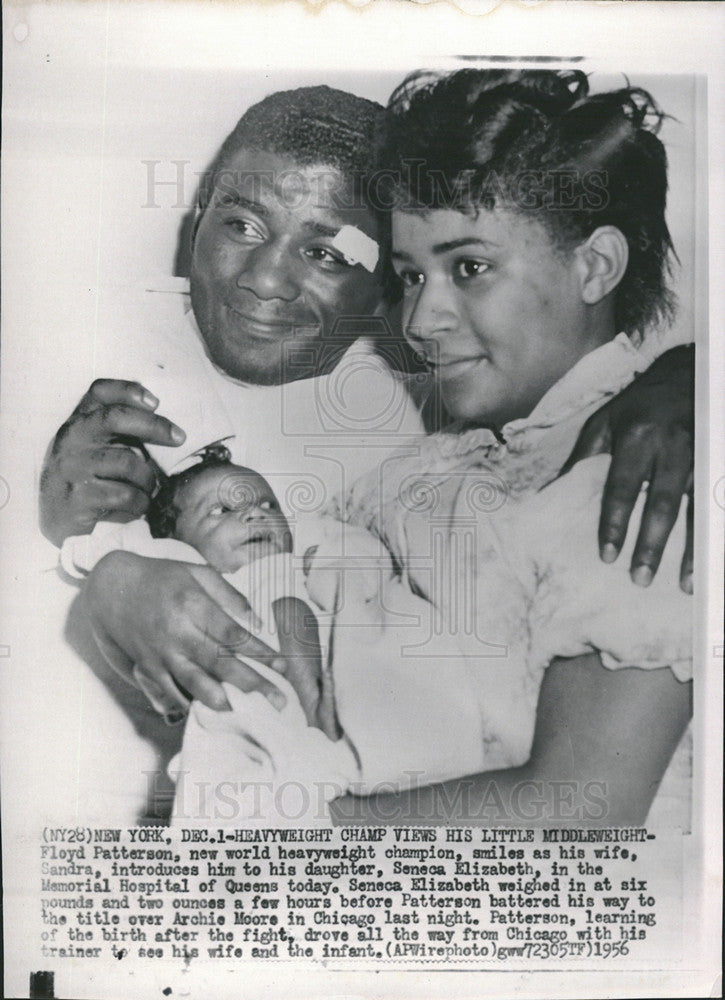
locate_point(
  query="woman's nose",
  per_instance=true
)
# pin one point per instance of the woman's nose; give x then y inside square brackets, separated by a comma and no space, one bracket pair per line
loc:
[432,316]
[269,272]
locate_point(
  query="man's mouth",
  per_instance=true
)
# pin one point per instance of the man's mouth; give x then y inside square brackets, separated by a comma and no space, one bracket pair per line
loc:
[268,326]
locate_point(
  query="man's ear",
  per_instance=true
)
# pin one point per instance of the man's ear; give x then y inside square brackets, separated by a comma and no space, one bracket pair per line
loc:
[603,260]
[198,215]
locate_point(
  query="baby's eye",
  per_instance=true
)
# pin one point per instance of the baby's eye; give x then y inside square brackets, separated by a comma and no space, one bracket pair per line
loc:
[470,268]
[325,256]
[411,278]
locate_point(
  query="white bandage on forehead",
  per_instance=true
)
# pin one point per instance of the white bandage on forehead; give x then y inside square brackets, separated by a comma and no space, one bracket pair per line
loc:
[357,248]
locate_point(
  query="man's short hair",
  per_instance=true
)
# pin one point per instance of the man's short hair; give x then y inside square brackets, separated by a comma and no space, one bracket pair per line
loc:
[310,125]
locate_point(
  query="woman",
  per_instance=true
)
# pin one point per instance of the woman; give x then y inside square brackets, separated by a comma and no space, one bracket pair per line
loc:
[515,288]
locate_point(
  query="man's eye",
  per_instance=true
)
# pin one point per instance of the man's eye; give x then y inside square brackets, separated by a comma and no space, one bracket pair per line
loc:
[411,278]
[243,229]
[217,510]
[470,268]
[323,255]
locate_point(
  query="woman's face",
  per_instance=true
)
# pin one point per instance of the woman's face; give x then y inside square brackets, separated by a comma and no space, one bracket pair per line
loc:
[496,310]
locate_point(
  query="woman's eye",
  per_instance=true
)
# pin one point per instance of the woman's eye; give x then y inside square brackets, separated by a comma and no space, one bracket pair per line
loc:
[267,505]
[323,255]
[411,278]
[470,268]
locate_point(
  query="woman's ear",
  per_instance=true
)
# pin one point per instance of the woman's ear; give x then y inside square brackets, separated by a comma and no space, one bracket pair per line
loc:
[603,260]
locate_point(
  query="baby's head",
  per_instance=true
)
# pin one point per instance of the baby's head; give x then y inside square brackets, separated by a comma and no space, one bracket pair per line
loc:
[528,228]
[228,513]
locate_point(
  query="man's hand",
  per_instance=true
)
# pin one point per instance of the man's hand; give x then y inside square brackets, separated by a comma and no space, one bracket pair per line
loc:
[173,629]
[91,472]
[649,430]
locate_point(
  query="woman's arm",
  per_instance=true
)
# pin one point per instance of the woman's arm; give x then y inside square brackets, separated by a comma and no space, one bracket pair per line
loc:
[602,742]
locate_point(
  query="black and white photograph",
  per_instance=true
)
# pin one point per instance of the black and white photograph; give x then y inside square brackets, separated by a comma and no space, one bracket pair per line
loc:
[361,500]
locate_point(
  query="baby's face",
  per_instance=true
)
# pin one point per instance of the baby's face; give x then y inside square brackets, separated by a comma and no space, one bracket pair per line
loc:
[231,516]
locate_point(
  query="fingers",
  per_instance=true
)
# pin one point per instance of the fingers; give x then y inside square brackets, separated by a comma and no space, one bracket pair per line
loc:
[247,679]
[629,470]
[123,465]
[196,683]
[130,422]
[105,500]
[169,625]
[668,484]
[222,639]
[234,604]
[109,391]
[163,694]
[85,451]
[217,646]
[112,653]
[206,650]
[595,438]
[222,618]
[686,569]
[114,408]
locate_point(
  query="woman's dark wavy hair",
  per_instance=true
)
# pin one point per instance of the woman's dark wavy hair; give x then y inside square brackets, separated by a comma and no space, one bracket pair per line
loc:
[163,511]
[537,142]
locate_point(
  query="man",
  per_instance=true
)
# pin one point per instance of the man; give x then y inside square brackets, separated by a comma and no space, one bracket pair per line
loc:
[286,244]
[274,300]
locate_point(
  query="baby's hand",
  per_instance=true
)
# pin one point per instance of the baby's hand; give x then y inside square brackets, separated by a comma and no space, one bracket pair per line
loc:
[300,662]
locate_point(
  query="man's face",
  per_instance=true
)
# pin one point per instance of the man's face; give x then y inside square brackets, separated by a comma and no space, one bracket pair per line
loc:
[265,278]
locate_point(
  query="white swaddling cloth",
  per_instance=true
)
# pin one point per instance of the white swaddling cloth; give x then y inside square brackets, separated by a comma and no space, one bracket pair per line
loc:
[257,765]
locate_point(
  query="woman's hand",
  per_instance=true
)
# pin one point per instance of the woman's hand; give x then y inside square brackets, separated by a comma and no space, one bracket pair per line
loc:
[91,471]
[649,430]
[174,630]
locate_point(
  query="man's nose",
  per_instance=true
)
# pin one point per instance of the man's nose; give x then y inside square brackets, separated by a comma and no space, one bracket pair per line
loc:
[433,315]
[268,272]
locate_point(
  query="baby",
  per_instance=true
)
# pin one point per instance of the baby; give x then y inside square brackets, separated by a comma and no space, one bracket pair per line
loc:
[228,513]
[228,516]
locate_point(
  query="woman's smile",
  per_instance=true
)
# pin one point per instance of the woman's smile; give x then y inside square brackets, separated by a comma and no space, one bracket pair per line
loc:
[447,368]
